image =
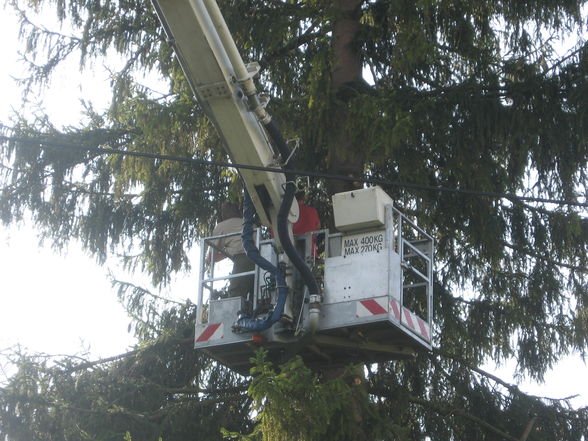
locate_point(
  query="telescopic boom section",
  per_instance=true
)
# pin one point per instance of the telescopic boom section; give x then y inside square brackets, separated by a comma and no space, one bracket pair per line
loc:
[224,88]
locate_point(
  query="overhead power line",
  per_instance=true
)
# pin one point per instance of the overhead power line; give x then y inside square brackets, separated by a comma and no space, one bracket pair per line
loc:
[321,175]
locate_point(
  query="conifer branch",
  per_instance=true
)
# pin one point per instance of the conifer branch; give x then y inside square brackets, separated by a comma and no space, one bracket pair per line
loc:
[197,390]
[445,410]
[532,208]
[26,20]
[562,60]
[469,365]
[156,415]
[91,364]
[513,388]
[544,258]
[294,43]
[136,288]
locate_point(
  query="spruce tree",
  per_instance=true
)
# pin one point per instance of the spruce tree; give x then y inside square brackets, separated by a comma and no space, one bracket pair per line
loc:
[472,103]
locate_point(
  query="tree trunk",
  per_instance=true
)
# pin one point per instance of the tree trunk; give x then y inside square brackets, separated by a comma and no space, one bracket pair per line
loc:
[346,157]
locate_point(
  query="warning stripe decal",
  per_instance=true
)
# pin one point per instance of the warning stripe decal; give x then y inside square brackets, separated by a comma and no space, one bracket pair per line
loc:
[416,324]
[374,307]
[395,308]
[423,327]
[407,318]
[366,308]
[209,331]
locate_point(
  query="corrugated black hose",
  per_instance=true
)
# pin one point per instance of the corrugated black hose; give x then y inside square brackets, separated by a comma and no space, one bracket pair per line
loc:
[283,232]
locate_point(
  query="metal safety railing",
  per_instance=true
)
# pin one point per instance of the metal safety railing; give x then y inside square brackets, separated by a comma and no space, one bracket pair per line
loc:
[208,280]
[213,285]
[416,250]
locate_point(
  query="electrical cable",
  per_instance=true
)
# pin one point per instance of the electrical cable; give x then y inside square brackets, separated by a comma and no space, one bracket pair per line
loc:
[321,175]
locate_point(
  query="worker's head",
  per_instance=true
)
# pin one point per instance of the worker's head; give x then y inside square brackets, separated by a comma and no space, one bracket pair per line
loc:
[300,195]
[229,210]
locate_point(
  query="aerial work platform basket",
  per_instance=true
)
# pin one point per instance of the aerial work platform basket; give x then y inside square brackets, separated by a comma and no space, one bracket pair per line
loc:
[374,299]
[377,299]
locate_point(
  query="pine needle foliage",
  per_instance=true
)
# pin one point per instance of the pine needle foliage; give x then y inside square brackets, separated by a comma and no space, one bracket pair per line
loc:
[160,390]
[479,95]
[293,403]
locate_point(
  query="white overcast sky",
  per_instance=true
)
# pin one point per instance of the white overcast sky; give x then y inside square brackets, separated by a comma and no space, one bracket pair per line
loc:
[60,302]
[63,303]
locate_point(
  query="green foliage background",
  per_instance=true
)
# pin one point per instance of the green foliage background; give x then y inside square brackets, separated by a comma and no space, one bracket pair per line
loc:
[464,94]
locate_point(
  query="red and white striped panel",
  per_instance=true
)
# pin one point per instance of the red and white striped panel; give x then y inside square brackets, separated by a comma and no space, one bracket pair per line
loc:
[395,308]
[209,332]
[409,319]
[416,324]
[369,307]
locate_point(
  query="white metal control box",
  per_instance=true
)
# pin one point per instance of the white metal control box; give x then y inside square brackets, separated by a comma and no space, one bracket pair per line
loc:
[360,209]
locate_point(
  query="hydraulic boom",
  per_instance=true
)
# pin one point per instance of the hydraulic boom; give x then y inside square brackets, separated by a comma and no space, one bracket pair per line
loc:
[224,87]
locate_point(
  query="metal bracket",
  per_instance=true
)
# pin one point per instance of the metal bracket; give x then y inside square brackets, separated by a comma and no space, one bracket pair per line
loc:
[285,184]
[214,91]
[253,69]
[316,298]
[296,145]
[264,99]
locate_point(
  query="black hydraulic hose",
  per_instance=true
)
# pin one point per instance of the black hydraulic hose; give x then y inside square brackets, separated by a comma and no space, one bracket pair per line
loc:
[289,249]
[281,144]
[283,232]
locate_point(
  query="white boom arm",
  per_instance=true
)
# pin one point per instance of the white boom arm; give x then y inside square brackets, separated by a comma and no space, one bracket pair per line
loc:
[221,83]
